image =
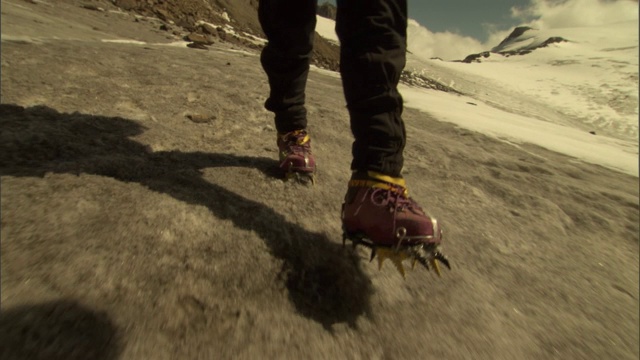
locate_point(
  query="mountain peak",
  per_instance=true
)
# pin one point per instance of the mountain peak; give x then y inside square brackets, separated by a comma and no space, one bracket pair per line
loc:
[517,32]
[523,40]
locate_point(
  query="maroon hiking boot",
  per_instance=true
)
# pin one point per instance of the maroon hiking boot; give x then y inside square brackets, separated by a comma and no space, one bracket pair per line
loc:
[379,214]
[295,153]
[377,208]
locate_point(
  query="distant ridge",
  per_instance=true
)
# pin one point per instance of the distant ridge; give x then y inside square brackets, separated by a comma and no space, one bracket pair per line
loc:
[522,40]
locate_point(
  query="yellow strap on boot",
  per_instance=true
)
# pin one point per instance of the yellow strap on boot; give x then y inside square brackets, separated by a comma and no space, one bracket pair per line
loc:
[301,141]
[380,181]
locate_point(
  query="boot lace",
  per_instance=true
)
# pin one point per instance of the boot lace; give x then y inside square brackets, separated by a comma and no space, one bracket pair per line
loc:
[297,142]
[394,198]
[397,201]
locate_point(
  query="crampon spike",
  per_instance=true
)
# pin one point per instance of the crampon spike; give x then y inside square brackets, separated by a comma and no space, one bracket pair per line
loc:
[373,254]
[396,258]
[435,266]
[382,256]
[427,256]
[301,177]
[443,259]
[397,261]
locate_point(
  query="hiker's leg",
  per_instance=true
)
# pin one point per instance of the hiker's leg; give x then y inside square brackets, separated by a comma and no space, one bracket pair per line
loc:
[373,42]
[289,26]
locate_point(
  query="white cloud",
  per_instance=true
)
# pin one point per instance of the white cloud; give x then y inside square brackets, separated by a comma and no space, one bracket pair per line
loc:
[540,14]
[553,14]
[445,45]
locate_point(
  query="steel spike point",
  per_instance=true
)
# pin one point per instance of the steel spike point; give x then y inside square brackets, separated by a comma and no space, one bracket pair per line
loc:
[435,266]
[397,261]
[373,254]
[423,262]
[396,258]
[308,179]
[443,259]
[382,256]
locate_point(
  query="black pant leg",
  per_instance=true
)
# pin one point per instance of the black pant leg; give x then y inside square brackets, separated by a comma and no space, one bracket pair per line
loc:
[373,38]
[290,27]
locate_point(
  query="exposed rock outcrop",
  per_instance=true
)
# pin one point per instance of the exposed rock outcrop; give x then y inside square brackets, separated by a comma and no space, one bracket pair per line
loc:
[521,41]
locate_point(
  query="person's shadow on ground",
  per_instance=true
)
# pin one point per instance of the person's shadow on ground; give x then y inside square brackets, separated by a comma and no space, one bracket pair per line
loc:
[325,283]
[61,329]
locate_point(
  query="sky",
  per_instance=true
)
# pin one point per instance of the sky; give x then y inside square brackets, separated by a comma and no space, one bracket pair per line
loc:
[465,17]
[472,18]
[461,27]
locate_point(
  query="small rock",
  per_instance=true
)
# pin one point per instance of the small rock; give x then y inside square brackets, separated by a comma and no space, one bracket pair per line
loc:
[208,29]
[192,97]
[199,38]
[196,45]
[201,118]
[163,15]
[221,33]
[92,7]
[592,132]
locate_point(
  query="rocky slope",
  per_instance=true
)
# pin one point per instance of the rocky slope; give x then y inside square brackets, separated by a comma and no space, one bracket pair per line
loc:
[142,217]
[239,17]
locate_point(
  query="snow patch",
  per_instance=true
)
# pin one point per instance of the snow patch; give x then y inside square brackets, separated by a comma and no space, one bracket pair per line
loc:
[612,153]
[327,29]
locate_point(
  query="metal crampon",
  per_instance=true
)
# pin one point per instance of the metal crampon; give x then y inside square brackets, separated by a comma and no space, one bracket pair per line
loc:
[428,255]
[305,178]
